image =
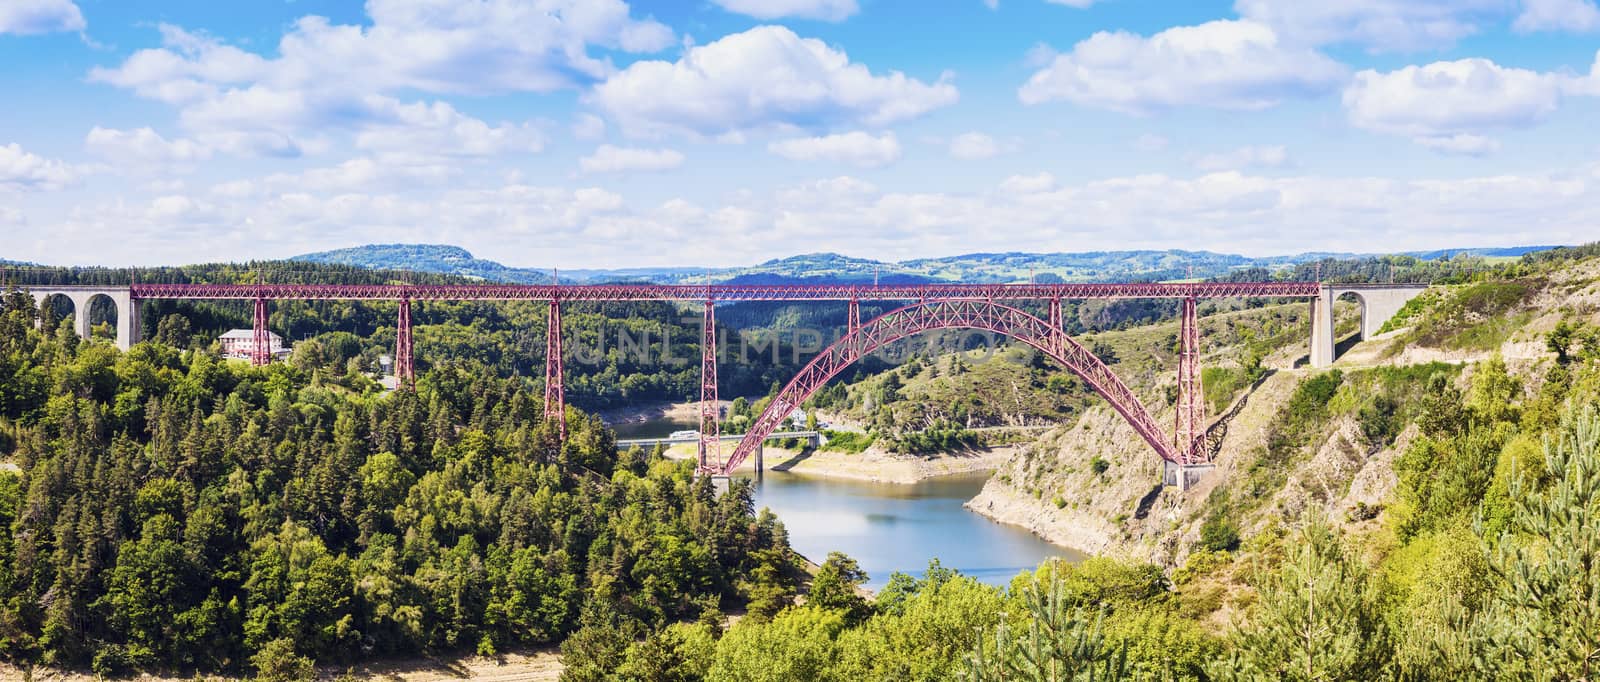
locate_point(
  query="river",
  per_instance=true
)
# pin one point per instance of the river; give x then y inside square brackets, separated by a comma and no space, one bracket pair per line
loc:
[888,527]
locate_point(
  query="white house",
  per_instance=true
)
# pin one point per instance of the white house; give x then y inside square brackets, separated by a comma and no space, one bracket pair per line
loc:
[241,343]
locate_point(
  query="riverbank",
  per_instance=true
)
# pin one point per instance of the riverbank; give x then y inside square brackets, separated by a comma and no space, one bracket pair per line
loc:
[633,414]
[872,466]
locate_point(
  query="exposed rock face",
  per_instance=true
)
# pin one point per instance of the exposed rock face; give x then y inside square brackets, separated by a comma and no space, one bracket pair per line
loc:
[1122,512]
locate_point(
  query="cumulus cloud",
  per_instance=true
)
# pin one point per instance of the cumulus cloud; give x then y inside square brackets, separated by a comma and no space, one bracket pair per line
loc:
[1275,156]
[973,146]
[438,129]
[587,126]
[1578,16]
[1449,105]
[332,76]
[1461,143]
[766,77]
[1384,25]
[855,148]
[611,159]
[23,171]
[31,17]
[1237,65]
[1230,211]
[825,10]
[143,147]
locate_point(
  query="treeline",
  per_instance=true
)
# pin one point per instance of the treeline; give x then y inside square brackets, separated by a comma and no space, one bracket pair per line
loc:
[170,510]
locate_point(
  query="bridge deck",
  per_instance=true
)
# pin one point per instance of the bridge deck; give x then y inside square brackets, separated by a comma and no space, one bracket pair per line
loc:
[724,292]
[629,442]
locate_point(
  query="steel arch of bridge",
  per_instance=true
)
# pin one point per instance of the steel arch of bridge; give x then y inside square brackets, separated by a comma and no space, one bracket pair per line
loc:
[955,314]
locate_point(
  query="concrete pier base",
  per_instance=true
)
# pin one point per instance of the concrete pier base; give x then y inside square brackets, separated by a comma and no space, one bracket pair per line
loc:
[1184,476]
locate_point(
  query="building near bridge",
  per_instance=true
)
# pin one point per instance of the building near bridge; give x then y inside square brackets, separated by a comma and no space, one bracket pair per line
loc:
[241,344]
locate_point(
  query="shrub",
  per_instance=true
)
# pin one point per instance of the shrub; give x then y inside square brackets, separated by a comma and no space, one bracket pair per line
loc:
[1098,465]
[1218,535]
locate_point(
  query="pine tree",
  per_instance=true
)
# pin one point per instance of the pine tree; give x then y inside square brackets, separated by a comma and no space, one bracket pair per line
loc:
[1544,621]
[1316,619]
[1060,644]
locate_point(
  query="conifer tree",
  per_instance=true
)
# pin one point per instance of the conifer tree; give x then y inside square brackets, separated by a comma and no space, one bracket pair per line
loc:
[1316,619]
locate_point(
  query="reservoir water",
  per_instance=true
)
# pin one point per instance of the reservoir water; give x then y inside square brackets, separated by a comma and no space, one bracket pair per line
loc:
[888,527]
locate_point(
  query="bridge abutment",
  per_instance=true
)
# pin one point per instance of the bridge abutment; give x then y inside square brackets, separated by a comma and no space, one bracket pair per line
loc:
[1379,304]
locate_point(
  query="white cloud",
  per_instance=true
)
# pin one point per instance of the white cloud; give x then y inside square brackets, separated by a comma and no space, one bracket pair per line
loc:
[766,77]
[610,159]
[825,10]
[856,148]
[973,146]
[1460,143]
[1149,142]
[1237,65]
[587,126]
[438,130]
[1448,105]
[1275,156]
[1578,16]
[326,76]
[529,225]
[1388,25]
[20,170]
[143,147]
[31,17]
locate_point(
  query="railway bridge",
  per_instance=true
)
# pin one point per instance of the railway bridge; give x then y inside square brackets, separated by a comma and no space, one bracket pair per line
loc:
[984,307]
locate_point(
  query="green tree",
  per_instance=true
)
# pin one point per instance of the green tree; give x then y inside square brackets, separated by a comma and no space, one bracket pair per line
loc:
[836,586]
[1316,619]
[1560,339]
[1544,620]
[1060,643]
[796,645]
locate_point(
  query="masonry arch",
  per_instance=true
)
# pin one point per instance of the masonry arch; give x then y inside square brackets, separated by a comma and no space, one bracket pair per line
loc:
[953,314]
[100,308]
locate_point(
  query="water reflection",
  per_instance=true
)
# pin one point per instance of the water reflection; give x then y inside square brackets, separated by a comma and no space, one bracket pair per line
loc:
[896,527]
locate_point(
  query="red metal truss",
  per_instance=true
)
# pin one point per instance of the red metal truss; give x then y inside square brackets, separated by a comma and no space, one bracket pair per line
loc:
[710,450]
[555,397]
[403,369]
[1190,412]
[954,314]
[261,354]
[724,292]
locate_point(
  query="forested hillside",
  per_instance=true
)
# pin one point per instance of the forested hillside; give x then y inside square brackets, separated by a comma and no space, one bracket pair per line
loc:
[164,509]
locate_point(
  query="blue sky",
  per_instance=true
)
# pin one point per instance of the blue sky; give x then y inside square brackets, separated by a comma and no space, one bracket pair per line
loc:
[598,133]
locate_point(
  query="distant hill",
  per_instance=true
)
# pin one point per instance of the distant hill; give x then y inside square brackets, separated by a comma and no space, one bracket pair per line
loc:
[815,268]
[437,258]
